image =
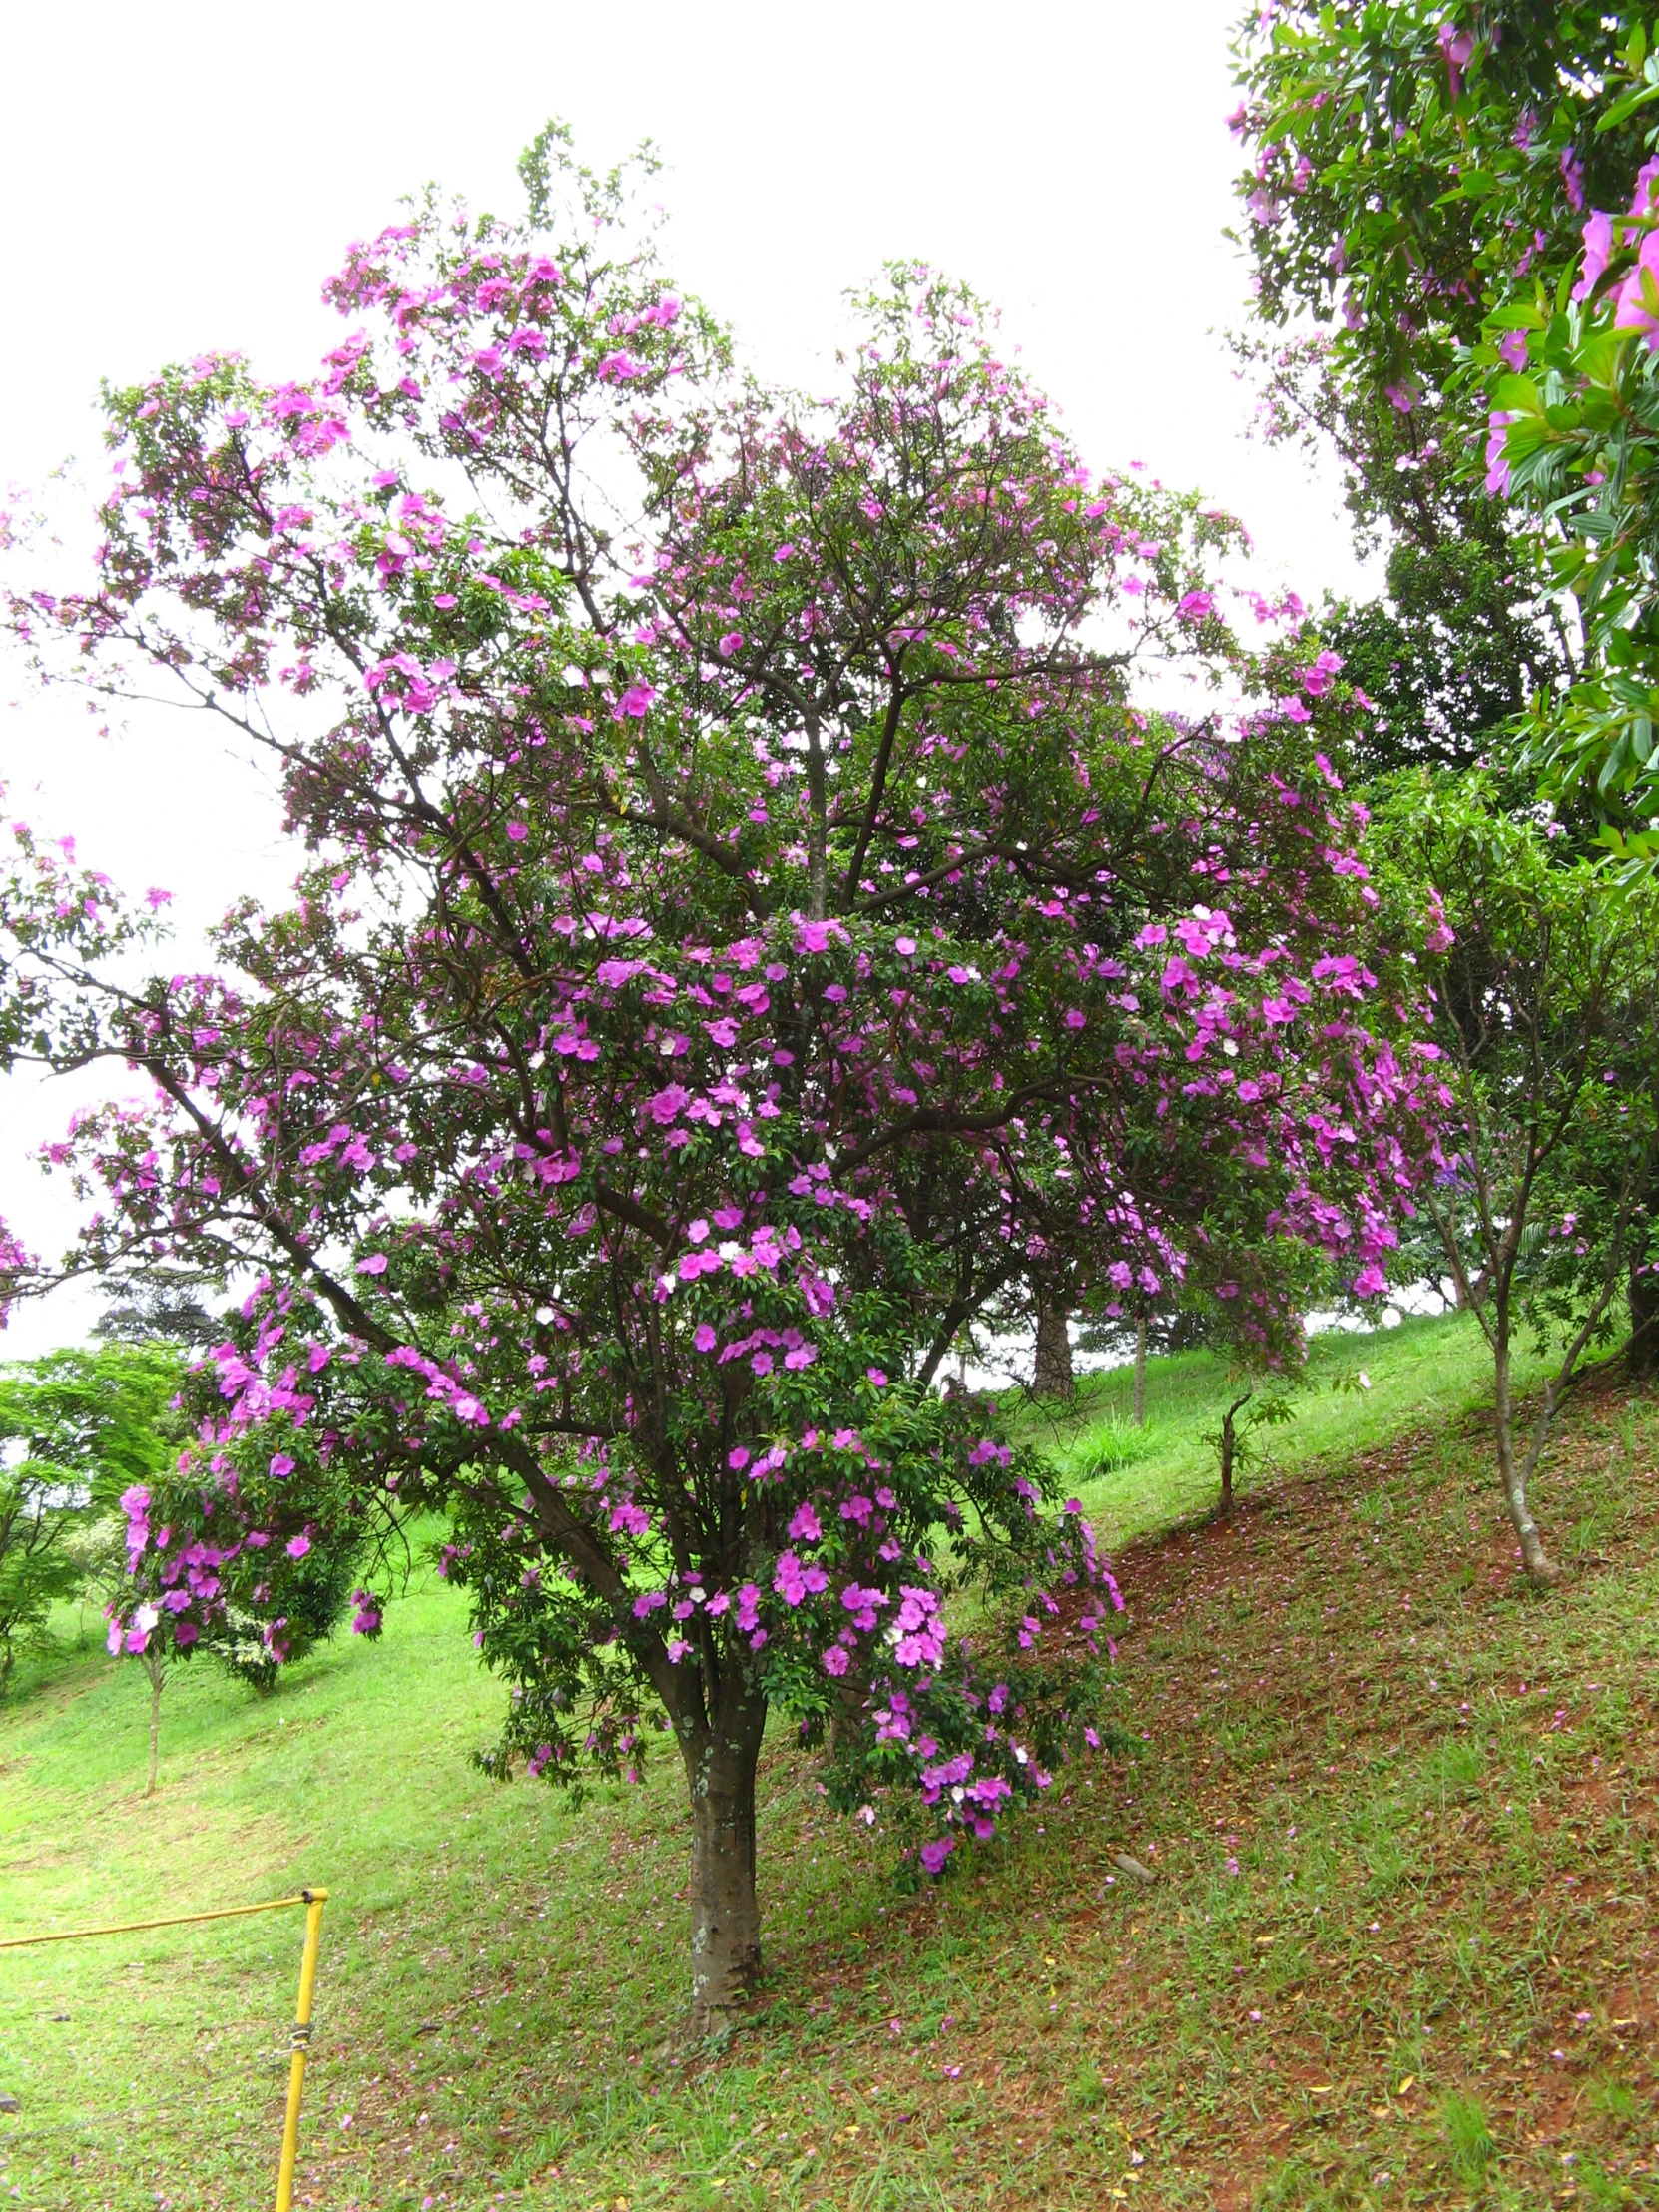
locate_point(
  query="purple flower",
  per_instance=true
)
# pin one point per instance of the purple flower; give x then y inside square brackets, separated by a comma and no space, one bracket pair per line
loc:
[1456,46]
[1512,351]
[934,1855]
[297,1546]
[1635,311]
[1497,466]
[282,1466]
[1598,252]
[376,1264]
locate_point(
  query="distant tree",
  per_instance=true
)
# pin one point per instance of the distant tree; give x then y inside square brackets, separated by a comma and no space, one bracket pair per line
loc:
[163,1306]
[77,1429]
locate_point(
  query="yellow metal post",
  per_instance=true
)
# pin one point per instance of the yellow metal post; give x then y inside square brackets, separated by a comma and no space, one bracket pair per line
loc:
[315,1900]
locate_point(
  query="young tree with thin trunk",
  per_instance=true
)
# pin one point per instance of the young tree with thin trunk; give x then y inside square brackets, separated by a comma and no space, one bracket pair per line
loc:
[1546,1008]
[733,947]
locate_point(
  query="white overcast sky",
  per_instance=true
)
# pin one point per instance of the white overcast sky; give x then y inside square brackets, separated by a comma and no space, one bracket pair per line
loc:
[182,176]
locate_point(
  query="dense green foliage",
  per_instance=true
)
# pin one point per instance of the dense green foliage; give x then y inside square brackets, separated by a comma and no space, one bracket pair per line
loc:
[77,1429]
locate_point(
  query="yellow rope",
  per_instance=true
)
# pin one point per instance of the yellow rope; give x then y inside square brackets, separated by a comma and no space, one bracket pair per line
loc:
[173,1920]
[314,1900]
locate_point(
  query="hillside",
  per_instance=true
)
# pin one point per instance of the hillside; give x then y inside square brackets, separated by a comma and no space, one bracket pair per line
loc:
[1399,1948]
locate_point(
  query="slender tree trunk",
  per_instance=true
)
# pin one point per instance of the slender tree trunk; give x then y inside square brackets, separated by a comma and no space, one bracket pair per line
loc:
[725,1914]
[1226,1506]
[1053,1378]
[153,1666]
[1229,1445]
[1140,1370]
[1642,1356]
[1538,1566]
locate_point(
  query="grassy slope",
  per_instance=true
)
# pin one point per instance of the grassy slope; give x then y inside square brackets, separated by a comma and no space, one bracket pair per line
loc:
[1421,1374]
[1435,1964]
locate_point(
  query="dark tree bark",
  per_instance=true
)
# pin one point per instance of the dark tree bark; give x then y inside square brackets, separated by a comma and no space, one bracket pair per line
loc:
[1140,1370]
[1229,1445]
[726,1913]
[1053,1378]
[1642,1291]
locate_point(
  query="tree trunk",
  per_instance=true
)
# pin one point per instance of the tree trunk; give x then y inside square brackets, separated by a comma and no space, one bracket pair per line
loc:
[1538,1566]
[725,1915]
[1642,1354]
[1229,1445]
[1226,1506]
[1140,1371]
[153,1667]
[1053,1377]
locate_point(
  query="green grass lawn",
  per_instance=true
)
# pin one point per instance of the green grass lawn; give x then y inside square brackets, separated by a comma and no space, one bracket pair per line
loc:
[1399,1950]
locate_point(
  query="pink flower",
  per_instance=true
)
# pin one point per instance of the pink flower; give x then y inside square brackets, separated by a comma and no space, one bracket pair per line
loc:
[730,644]
[934,1855]
[636,700]
[297,1546]
[804,1528]
[834,1660]
[1401,396]
[1456,46]
[517,831]
[1512,351]
[875,1375]
[1572,177]
[1634,311]
[1498,465]
[1598,252]
[376,1264]
[703,1336]
[1371,1282]
[282,1466]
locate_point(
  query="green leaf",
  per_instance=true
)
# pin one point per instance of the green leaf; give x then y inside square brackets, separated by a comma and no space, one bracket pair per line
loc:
[1517,395]
[1621,109]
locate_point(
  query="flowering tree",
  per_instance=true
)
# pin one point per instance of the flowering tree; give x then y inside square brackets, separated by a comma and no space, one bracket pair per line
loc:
[734,946]
[1467,193]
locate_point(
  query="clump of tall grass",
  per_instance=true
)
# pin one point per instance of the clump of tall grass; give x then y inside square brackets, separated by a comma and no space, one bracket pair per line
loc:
[1108,1446]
